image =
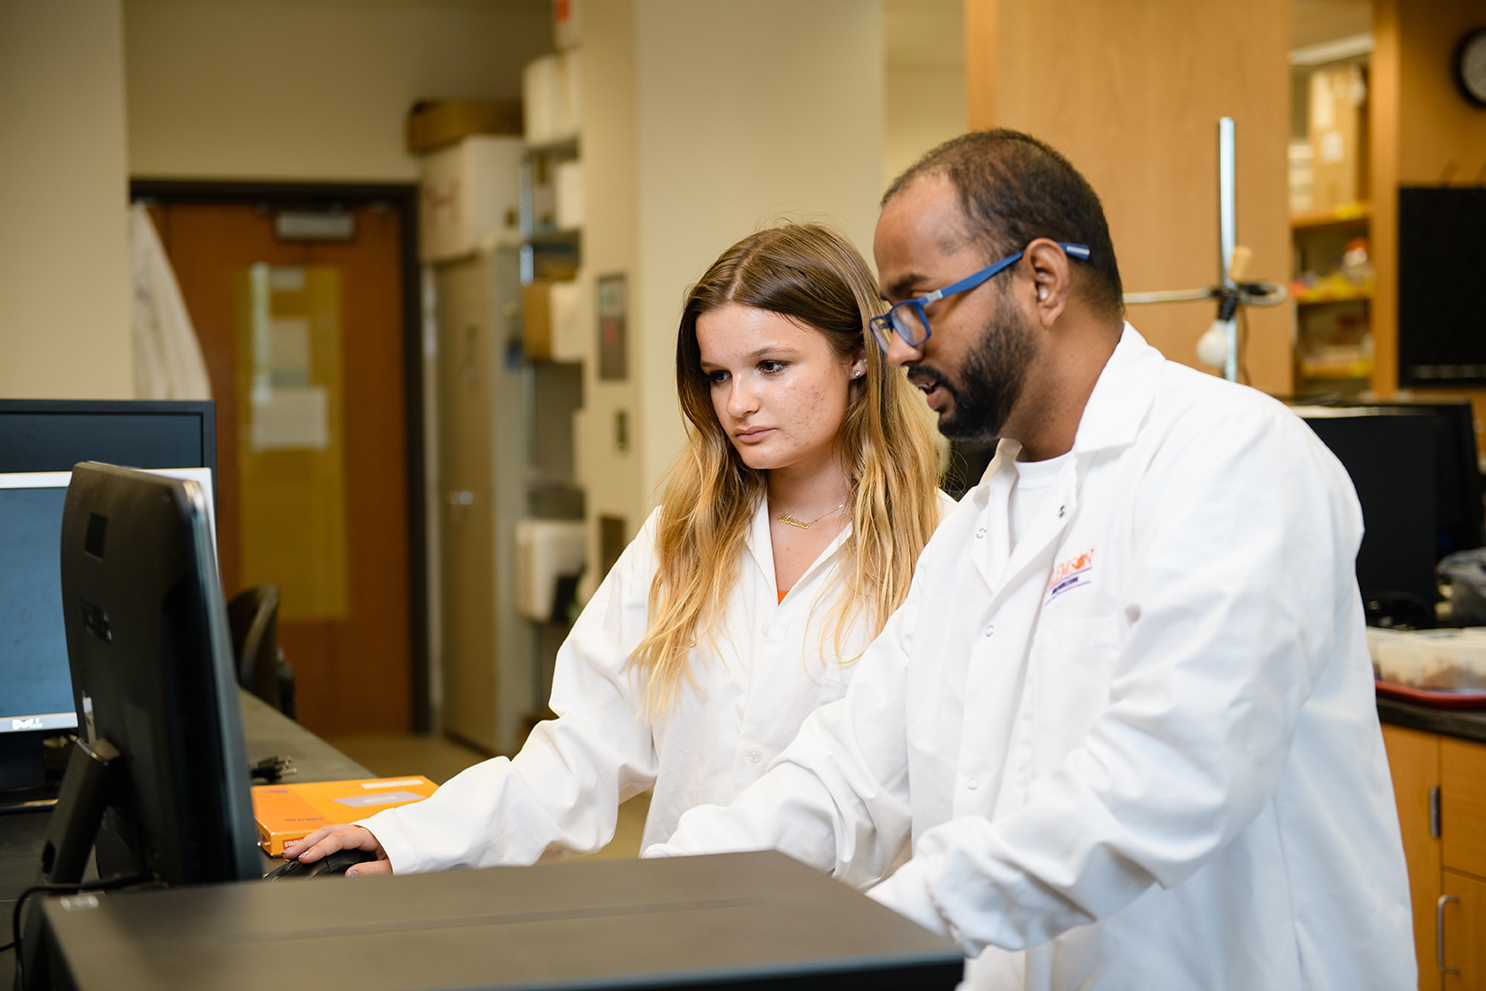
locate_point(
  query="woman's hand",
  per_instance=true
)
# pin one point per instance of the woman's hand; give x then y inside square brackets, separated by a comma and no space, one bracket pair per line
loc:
[341,836]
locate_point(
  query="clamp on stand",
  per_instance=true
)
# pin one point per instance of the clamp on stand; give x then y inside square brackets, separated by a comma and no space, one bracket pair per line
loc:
[1219,347]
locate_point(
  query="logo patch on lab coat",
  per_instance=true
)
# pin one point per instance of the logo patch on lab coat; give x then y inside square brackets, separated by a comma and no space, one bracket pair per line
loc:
[1070,574]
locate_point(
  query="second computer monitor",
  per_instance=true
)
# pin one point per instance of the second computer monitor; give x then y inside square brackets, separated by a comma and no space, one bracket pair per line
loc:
[153,675]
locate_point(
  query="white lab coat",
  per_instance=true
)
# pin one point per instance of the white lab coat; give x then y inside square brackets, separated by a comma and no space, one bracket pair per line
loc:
[167,356]
[1138,750]
[560,795]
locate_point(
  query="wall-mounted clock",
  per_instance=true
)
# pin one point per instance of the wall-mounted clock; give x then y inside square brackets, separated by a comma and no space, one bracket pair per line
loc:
[1470,66]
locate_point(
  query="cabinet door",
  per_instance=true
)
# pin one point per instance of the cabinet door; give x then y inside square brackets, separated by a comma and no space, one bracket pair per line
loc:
[1414,760]
[1464,917]
[1463,777]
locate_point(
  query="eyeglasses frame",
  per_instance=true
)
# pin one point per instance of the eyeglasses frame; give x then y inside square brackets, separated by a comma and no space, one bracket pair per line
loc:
[883,327]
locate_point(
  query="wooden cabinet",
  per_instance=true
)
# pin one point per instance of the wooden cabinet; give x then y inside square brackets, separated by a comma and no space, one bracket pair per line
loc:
[1414,759]
[1463,805]
[1462,910]
[1440,785]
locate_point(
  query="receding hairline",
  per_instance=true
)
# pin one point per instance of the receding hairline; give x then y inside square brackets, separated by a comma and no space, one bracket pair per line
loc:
[952,237]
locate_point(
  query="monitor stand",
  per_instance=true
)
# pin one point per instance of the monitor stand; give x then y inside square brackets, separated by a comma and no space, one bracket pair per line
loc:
[22,761]
[32,765]
[92,782]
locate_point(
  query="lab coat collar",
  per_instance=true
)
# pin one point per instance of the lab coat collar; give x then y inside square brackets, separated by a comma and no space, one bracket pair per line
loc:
[1111,418]
[1122,396]
[761,546]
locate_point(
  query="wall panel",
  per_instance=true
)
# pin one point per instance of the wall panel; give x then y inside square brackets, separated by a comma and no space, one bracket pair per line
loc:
[1130,91]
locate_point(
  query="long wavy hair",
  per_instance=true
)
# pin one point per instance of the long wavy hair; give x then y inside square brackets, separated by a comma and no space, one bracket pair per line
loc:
[813,276]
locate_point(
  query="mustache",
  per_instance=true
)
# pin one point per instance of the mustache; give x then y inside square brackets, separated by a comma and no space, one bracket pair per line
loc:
[923,375]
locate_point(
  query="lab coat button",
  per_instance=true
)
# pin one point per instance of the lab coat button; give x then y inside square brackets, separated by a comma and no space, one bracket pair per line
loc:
[972,784]
[754,754]
[1061,510]
[980,533]
[990,630]
[764,629]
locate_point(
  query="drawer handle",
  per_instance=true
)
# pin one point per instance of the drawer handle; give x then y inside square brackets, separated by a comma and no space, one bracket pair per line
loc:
[1439,933]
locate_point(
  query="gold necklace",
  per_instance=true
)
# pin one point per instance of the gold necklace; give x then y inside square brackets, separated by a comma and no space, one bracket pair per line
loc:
[786,518]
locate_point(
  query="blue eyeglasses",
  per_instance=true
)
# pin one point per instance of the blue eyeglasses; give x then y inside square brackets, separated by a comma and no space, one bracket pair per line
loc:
[910,321]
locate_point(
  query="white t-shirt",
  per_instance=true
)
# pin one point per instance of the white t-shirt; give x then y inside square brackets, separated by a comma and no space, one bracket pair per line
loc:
[1033,479]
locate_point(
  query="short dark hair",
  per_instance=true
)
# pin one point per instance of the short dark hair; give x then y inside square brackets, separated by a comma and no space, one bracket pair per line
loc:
[1014,189]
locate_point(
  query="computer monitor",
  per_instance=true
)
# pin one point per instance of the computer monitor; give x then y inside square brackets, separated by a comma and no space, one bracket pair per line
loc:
[1390,456]
[154,686]
[1441,320]
[1414,467]
[1460,523]
[55,434]
[37,694]
[39,438]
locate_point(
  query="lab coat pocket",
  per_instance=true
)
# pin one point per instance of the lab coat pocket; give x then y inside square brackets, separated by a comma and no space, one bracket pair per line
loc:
[835,677]
[1074,661]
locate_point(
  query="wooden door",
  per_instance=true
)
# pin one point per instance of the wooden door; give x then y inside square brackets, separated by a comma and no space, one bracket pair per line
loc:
[304,344]
[1414,760]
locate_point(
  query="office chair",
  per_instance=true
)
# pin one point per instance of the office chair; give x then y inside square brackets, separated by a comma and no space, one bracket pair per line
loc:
[253,615]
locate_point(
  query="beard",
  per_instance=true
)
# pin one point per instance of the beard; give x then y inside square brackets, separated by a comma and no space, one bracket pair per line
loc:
[988,383]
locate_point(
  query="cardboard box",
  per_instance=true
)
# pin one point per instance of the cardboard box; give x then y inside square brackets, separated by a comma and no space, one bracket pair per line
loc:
[536,317]
[471,198]
[436,123]
[287,812]
[1338,131]
[551,98]
[554,319]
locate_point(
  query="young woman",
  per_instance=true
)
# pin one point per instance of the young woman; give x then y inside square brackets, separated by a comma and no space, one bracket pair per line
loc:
[786,537]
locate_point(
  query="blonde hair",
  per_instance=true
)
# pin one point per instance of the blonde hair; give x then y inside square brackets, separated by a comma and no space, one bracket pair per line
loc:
[814,276]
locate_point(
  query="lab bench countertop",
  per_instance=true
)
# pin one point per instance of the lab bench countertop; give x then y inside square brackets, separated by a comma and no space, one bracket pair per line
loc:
[1467,724]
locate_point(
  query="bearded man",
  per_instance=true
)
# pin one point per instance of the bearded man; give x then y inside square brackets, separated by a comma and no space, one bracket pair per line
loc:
[1122,731]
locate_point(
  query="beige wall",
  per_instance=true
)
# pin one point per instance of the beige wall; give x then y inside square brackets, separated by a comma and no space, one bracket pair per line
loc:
[785,120]
[1131,91]
[315,90]
[924,45]
[689,144]
[64,266]
[610,479]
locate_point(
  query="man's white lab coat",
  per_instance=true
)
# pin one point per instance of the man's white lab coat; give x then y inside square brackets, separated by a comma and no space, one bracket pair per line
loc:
[559,797]
[1137,750]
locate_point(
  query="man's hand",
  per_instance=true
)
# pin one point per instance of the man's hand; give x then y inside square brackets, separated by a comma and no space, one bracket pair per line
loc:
[341,836]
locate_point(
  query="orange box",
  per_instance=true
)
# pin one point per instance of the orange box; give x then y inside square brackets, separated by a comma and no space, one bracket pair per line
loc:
[285,813]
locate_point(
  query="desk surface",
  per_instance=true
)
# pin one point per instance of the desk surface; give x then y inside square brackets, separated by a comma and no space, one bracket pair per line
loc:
[724,921]
[267,732]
